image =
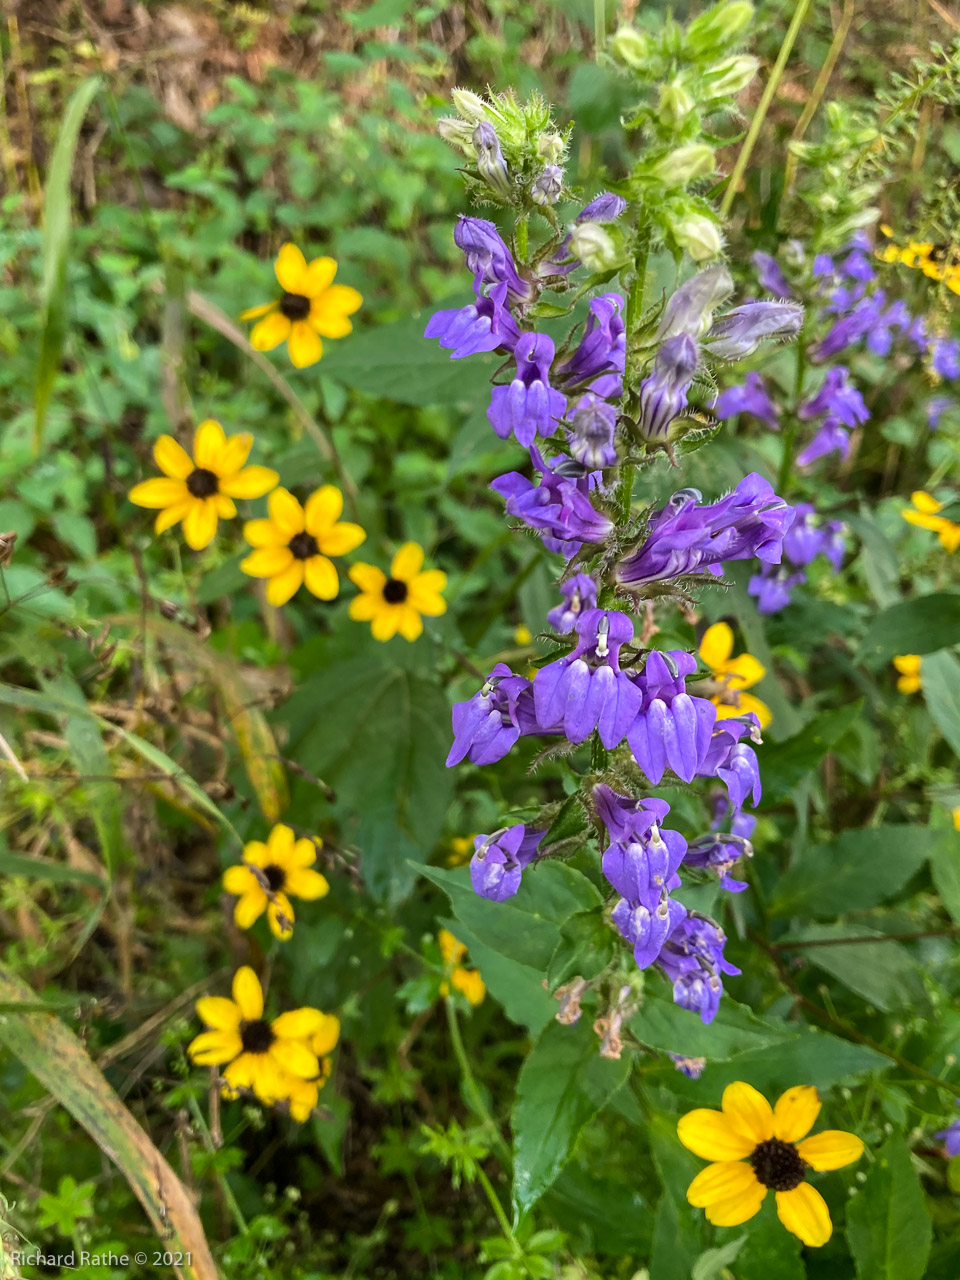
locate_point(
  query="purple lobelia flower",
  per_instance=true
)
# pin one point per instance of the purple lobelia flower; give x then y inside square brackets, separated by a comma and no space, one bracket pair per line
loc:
[687,535]
[751,398]
[720,853]
[951,1137]
[558,505]
[606,207]
[646,928]
[804,539]
[823,266]
[772,587]
[945,358]
[591,434]
[579,593]
[837,397]
[832,437]
[739,332]
[602,348]
[487,725]
[528,405]
[489,259]
[769,274]
[499,860]
[692,1068]
[937,406]
[672,728]
[663,395]
[857,266]
[491,165]
[482,325]
[585,689]
[693,960]
[547,186]
[740,772]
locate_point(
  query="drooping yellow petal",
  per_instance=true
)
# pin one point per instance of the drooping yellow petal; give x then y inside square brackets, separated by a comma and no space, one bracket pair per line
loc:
[748,1111]
[710,1135]
[384,624]
[270,331]
[285,585]
[408,562]
[721,1181]
[924,521]
[159,492]
[411,624]
[213,1048]
[219,1013]
[323,509]
[305,883]
[172,459]
[200,524]
[304,346]
[248,993]
[341,538]
[925,501]
[730,1213]
[233,455]
[280,916]
[254,313]
[795,1112]
[291,267]
[266,562]
[743,672]
[298,1024]
[251,482]
[303,1096]
[285,512]
[239,879]
[170,516]
[324,1039]
[321,578]
[295,1057]
[367,577]
[209,443]
[831,1149]
[249,908]
[716,645]
[264,533]
[804,1212]
[318,277]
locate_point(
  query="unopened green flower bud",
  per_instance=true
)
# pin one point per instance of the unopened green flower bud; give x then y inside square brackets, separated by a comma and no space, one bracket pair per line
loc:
[630,47]
[459,134]
[730,77]
[594,246]
[675,104]
[684,164]
[470,105]
[550,146]
[719,27]
[699,235]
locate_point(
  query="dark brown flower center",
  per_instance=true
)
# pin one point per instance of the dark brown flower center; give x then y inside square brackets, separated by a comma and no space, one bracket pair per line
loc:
[256,1037]
[394,591]
[295,306]
[778,1165]
[304,545]
[202,483]
[275,877]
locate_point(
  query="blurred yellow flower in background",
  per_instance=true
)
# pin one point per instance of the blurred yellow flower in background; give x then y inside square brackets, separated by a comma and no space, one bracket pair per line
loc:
[311,307]
[924,514]
[269,875]
[396,603]
[467,981]
[735,674]
[908,664]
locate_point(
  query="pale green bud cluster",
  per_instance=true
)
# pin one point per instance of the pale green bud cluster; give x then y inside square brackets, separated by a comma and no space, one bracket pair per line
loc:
[509,144]
[838,193]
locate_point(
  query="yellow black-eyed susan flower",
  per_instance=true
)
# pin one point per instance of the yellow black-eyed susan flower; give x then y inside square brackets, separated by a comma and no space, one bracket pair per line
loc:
[270,875]
[200,490]
[292,547]
[467,981]
[257,1054]
[908,664]
[735,674]
[757,1148]
[303,1095]
[924,513]
[311,307]
[396,603]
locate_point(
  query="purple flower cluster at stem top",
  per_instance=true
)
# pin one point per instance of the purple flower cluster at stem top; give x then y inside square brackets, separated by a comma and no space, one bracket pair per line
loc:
[808,537]
[559,505]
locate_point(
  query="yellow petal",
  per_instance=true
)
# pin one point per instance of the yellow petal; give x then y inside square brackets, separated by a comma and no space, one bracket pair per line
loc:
[285,512]
[908,663]
[239,1074]
[795,1112]
[304,883]
[721,1181]
[804,1212]
[384,624]
[304,853]
[366,607]
[367,577]
[209,443]
[321,578]
[950,536]
[213,1048]
[925,501]
[226,509]
[254,313]
[267,1077]
[249,908]
[298,1024]
[239,879]
[200,524]
[270,332]
[266,562]
[160,492]
[748,1111]
[716,645]
[411,624]
[219,1013]
[280,916]
[710,1135]
[340,539]
[172,459]
[424,595]
[303,1099]
[730,1213]
[760,709]
[233,455]
[909,684]
[323,509]
[318,277]
[451,948]
[923,521]
[248,993]
[295,1057]
[831,1149]
[280,843]
[172,515]
[304,346]
[470,984]
[408,562]
[743,672]
[257,853]
[251,482]
[324,1040]
[285,585]
[264,533]
[291,267]
[329,312]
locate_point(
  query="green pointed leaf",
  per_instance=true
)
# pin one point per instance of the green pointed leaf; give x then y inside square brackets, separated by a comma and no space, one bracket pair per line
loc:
[940,673]
[888,1223]
[784,764]
[922,626]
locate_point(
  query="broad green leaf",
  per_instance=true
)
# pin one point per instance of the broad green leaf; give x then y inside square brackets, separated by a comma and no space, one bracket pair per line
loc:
[945,866]
[784,764]
[678,1227]
[940,673]
[615,1214]
[517,988]
[526,927]
[714,1263]
[562,1085]
[883,972]
[661,1024]
[922,625]
[585,947]
[858,869]
[878,559]
[56,238]
[888,1222]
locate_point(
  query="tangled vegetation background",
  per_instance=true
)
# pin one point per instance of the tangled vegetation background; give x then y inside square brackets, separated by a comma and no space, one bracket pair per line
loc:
[259,1018]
